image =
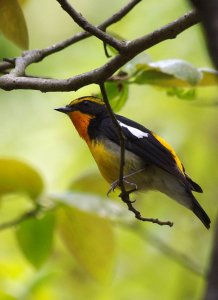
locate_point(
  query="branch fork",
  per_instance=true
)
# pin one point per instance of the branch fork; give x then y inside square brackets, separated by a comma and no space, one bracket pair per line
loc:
[17,79]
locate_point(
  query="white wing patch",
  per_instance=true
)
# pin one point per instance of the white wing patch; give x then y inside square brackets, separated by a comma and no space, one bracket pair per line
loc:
[136,132]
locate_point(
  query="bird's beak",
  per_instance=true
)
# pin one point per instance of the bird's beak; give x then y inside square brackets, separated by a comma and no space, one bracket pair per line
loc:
[64,109]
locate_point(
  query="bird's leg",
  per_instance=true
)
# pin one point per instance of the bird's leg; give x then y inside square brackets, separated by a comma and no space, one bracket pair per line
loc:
[130,192]
[115,184]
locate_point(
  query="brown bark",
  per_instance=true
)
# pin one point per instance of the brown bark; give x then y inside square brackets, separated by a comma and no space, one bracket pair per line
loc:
[208,12]
[212,279]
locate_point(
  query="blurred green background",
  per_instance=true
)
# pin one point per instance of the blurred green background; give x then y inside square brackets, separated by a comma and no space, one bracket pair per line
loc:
[31,131]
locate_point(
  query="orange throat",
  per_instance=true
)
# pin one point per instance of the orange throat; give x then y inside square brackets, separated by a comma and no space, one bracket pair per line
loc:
[81,122]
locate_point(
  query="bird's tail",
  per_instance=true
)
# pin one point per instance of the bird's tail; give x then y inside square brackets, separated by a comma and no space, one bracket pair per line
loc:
[200,213]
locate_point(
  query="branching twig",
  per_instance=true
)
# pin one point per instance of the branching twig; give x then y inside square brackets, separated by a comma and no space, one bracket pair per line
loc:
[6,65]
[83,23]
[14,80]
[30,214]
[38,55]
[125,195]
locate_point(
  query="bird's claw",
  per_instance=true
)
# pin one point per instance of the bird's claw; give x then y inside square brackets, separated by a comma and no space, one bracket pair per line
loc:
[115,184]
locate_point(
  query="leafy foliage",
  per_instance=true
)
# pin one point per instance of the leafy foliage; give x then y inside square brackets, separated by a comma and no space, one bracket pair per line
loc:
[13,24]
[117,92]
[18,177]
[84,216]
[90,239]
[172,73]
[177,70]
[186,94]
[179,78]
[35,238]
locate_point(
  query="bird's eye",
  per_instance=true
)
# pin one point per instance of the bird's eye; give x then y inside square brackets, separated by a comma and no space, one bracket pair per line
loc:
[86,103]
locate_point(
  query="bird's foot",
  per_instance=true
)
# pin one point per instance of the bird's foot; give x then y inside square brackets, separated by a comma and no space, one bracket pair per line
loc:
[125,194]
[115,184]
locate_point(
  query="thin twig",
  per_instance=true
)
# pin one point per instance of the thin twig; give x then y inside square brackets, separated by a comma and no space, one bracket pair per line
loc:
[38,55]
[12,81]
[169,31]
[6,65]
[125,195]
[83,35]
[94,30]
[22,218]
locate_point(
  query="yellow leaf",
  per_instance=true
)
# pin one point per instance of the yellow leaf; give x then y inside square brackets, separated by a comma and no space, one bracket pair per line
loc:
[210,77]
[89,239]
[22,2]
[16,176]
[13,24]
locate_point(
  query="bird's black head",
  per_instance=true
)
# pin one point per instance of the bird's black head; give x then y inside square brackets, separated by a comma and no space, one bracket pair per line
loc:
[87,105]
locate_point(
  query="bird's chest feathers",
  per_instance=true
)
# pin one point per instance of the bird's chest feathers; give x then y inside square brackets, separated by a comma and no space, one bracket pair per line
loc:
[107,157]
[81,122]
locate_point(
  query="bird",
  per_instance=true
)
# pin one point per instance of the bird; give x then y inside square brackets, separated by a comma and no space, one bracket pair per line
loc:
[150,162]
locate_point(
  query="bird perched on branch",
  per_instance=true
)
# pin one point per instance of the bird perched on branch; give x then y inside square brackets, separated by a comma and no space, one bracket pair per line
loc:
[150,162]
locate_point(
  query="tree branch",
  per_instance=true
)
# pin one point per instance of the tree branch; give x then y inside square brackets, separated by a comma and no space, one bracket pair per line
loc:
[169,31]
[83,23]
[208,11]
[37,55]
[6,64]
[211,292]
[13,81]
[22,218]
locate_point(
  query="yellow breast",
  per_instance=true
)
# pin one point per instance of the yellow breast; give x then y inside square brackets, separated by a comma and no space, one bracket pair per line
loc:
[107,160]
[107,157]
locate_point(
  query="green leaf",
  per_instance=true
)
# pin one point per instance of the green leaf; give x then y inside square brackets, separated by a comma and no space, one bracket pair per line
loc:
[179,69]
[35,238]
[13,24]
[117,92]
[93,204]
[112,51]
[90,240]
[167,73]
[210,77]
[181,93]
[17,176]
[154,77]
[141,59]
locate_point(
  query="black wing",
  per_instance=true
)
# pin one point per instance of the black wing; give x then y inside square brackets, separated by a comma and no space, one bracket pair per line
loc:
[148,148]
